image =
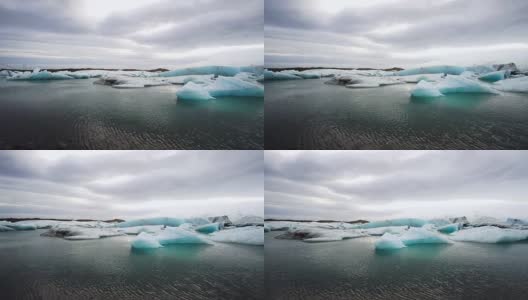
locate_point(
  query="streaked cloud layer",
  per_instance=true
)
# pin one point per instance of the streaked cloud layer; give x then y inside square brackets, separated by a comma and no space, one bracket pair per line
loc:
[388,33]
[350,185]
[131,33]
[129,184]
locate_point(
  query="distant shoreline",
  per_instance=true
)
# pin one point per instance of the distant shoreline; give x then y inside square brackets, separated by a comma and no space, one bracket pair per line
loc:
[317,221]
[87,69]
[55,219]
[347,69]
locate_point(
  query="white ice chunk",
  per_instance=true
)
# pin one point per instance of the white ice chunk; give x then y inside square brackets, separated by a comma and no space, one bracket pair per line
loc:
[22,226]
[42,75]
[229,86]
[517,85]
[425,89]
[490,234]
[389,242]
[249,220]
[145,241]
[252,235]
[193,91]
[270,75]
[458,84]
[453,70]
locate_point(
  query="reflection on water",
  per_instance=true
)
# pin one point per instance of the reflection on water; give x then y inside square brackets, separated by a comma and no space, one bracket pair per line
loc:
[308,114]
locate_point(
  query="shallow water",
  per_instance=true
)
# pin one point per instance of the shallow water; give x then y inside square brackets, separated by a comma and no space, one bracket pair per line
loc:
[77,114]
[352,269]
[308,114]
[35,267]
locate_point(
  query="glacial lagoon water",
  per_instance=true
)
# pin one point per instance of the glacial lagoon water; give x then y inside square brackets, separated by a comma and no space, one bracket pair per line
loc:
[308,114]
[35,267]
[77,114]
[352,269]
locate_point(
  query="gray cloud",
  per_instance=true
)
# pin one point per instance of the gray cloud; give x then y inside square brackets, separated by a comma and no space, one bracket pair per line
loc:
[100,184]
[350,185]
[387,33]
[136,33]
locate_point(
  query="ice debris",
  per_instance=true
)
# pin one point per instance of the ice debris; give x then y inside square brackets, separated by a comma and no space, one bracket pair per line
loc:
[251,235]
[490,234]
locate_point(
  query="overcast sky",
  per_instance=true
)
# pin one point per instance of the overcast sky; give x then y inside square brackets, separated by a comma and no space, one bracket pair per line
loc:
[387,33]
[351,185]
[108,184]
[131,33]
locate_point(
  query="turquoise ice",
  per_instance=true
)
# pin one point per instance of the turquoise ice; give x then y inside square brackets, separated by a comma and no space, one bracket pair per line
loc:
[453,70]
[412,222]
[174,222]
[208,228]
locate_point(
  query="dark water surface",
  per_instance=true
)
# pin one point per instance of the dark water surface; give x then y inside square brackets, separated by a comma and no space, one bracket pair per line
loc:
[35,267]
[308,114]
[76,114]
[352,269]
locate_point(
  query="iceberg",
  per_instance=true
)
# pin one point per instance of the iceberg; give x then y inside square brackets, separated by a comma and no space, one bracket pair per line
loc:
[208,228]
[382,230]
[248,221]
[40,75]
[389,242]
[425,89]
[449,228]
[493,76]
[172,235]
[452,70]
[21,226]
[5,228]
[270,75]
[145,241]
[73,231]
[411,222]
[166,221]
[450,85]
[221,87]
[216,70]
[413,236]
[516,85]
[253,235]
[490,234]
[193,91]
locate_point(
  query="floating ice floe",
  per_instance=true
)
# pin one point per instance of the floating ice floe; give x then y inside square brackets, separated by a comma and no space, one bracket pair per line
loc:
[249,221]
[451,85]
[39,75]
[452,70]
[410,237]
[517,85]
[252,235]
[21,226]
[221,87]
[174,235]
[5,228]
[490,234]
[145,241]
[270,75]
[72,231]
